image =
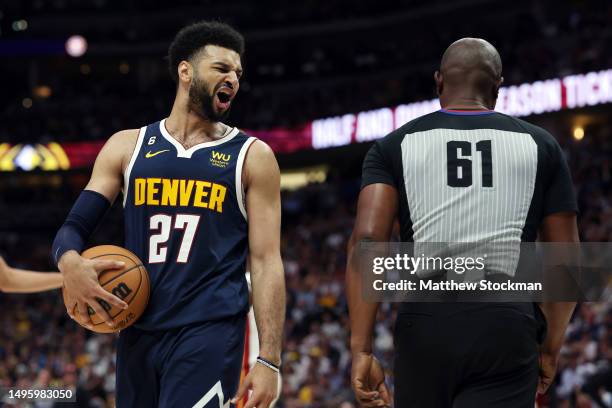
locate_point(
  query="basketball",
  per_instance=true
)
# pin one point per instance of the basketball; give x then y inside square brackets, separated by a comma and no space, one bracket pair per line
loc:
[130,284]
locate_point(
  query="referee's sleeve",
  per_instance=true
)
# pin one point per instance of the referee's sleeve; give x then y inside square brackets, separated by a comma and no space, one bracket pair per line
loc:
[377,168]
[559,194]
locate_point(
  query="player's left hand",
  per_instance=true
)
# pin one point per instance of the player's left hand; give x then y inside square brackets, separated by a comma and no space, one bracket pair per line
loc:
[264,383]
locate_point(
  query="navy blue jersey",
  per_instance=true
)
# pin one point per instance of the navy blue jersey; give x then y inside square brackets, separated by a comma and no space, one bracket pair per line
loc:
[185,218]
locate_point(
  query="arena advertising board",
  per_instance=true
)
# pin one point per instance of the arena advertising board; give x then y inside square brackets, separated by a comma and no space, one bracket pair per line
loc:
[553,95]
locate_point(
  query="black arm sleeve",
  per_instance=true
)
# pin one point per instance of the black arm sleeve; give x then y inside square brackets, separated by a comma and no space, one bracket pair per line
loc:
[377,168]
[559,195]
[84,217]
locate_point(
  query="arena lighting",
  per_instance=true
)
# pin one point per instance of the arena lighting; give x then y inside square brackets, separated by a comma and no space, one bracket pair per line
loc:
[20,25]
[578,133]
[76,46]
[124,68]
[570,92]
[42,91]
[49,157]
[295,179]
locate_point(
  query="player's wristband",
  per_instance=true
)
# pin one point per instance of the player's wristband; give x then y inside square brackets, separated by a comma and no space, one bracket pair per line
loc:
[269,364]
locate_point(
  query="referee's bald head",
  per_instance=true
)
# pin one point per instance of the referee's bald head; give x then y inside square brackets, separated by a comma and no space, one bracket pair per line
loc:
[470,67]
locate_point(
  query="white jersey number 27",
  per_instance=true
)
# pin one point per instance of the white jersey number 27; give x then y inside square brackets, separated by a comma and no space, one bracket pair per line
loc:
[162,225]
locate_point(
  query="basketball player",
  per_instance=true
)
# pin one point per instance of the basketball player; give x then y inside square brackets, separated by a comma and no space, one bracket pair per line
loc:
[199,196]
[514,183]
[15,280]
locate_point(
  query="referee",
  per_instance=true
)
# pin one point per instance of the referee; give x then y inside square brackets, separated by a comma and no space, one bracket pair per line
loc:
[463,174]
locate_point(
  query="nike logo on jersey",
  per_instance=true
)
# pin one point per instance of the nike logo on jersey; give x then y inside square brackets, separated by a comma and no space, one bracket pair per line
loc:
[149,154]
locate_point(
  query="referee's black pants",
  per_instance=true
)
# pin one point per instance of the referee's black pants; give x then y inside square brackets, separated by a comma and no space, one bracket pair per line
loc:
[467,355]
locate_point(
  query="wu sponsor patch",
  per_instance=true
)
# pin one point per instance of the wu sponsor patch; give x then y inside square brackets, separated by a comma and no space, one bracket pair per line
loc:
[220,159]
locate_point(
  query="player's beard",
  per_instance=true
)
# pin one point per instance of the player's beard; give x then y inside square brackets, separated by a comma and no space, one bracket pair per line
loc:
[203,102]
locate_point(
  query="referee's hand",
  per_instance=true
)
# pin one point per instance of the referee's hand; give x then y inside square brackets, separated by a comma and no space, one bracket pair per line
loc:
[548,368]
[368,381]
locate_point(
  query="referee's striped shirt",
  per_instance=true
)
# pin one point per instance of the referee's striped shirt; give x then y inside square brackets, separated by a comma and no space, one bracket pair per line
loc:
[471,176]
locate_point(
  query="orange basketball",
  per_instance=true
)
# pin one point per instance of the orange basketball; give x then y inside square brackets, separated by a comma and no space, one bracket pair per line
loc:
[130,284]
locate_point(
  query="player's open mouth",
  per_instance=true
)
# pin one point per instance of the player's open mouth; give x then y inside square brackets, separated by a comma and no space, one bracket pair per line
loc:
[223,99]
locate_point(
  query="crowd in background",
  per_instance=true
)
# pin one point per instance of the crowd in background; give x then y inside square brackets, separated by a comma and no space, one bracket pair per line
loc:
[40,345]
[301,63]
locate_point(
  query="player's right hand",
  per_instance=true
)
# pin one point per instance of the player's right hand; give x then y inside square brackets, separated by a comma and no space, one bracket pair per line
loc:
[83,288]
[368,381]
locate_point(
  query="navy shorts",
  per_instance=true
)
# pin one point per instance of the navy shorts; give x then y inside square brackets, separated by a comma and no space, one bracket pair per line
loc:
[192,366]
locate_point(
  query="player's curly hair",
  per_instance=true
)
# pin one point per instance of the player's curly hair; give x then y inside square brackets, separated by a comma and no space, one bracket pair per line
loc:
[195,37]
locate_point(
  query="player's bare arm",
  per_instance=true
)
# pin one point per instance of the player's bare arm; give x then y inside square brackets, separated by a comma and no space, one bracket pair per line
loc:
[376,210]
[559,227]
[262,184]
[80,274]
[16,280]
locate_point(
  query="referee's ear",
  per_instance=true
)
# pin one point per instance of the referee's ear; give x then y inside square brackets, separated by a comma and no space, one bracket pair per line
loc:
[439,82]
[499,84]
